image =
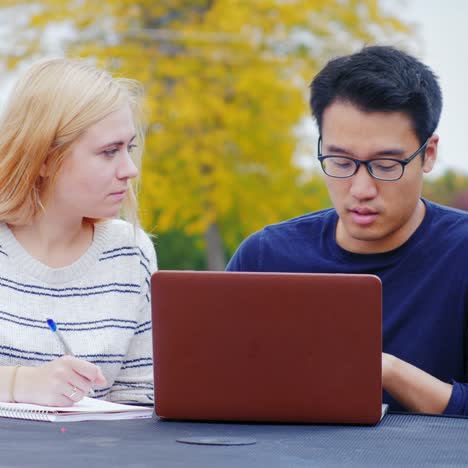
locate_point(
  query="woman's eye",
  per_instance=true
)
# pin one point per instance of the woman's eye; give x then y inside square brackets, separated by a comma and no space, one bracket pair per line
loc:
[114,151]
[110,152]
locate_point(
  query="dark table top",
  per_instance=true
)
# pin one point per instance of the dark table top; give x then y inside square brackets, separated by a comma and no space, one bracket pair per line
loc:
[399,440]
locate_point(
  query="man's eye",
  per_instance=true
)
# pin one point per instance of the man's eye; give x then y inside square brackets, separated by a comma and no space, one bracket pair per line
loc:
[341,163]
[385,165]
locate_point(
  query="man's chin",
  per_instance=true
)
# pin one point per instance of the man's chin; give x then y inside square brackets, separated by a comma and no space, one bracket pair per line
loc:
[364,233]
[359,239]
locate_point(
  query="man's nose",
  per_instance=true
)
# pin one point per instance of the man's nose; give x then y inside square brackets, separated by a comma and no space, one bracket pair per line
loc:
[363,185]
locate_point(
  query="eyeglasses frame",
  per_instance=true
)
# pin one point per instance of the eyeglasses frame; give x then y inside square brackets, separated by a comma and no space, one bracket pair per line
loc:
[358,162]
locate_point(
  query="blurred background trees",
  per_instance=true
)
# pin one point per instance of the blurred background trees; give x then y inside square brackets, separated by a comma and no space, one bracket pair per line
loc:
[227,85]
[451,188]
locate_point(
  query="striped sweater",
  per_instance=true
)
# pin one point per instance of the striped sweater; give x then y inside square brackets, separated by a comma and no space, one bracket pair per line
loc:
[101,303]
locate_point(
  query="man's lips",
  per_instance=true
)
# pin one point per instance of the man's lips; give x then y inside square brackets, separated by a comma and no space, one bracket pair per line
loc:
[363,216]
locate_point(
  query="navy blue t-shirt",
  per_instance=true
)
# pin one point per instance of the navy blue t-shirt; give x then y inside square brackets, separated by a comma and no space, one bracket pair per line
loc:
[425,285]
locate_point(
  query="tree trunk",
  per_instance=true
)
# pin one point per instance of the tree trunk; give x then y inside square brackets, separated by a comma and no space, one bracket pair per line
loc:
[214,248]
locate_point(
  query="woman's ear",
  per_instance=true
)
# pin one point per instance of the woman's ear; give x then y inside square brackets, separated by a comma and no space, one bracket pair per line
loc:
[430,154]
[44,171]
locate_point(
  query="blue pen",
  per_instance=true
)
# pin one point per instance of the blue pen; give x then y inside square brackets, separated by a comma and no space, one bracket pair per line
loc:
[65,345]
[58,334]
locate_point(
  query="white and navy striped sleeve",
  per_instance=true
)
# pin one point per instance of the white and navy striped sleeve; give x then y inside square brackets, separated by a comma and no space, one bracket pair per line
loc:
[135,379]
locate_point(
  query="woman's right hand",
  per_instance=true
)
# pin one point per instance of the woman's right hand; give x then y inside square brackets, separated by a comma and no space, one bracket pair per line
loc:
[61,382]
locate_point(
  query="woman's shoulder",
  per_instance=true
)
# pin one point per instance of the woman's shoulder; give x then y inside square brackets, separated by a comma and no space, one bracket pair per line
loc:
[123,231]
[124,235]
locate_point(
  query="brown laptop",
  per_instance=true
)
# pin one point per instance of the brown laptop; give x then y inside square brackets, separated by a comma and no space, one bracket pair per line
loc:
[277,347]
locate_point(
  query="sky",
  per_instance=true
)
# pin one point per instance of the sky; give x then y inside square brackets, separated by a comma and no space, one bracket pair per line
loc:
[441,31]
[440,34]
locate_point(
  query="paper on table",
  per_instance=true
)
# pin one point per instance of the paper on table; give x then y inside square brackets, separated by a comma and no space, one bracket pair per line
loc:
[384,410]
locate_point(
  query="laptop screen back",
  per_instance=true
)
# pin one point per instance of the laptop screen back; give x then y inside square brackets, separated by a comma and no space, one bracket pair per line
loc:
[280,347]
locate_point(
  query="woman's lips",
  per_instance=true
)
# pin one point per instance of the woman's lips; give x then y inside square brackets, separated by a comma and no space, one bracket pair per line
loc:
[118,196]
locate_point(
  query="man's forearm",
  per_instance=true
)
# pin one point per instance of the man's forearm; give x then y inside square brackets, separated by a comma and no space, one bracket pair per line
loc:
[415,389]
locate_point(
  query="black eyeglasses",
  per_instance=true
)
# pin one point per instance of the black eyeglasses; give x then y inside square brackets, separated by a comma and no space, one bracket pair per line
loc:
[379,168]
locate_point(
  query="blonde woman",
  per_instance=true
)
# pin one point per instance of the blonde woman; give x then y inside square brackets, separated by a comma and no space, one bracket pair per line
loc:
[70,143]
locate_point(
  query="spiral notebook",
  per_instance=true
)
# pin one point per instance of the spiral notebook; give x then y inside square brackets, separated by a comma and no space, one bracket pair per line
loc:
[85,410]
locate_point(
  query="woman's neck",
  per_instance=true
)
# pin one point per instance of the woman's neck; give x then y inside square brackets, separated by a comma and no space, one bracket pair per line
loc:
[55,244]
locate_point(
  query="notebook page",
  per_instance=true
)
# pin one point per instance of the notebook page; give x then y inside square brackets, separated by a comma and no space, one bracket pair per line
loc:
[86,407]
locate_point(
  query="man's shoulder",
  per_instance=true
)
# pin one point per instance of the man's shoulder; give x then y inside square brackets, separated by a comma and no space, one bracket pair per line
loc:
[448,229]
[307,226]
[271,248]
[448,217]
[309,221]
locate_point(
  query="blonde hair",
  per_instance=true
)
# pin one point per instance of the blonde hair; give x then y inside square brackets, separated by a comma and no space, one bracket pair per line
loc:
[51,105]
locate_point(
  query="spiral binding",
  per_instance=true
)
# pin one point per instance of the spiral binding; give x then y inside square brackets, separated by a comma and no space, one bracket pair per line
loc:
[22,413]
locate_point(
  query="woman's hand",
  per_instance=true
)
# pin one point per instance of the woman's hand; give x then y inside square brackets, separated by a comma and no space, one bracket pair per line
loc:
[61,382]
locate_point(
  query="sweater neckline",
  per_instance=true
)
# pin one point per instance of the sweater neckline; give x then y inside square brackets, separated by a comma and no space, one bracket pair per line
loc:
[24,261]
[391,254]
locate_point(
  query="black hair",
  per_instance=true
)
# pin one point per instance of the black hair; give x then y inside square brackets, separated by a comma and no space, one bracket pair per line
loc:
[380,79]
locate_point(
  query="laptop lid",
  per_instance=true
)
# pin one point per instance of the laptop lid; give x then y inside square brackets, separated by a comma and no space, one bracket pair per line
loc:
[280,347]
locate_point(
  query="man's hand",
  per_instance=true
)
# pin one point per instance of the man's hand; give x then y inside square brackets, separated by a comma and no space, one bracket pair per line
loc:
[61,382]
[415,389]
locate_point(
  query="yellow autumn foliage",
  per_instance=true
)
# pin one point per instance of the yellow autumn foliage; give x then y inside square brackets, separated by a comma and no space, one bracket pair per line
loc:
[227,84]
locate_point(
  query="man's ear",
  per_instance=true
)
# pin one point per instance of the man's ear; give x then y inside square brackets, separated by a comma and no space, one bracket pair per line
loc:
[430,154]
